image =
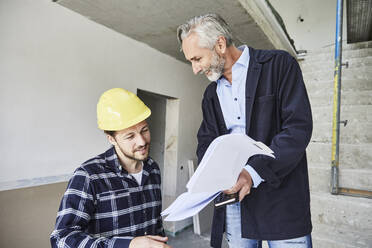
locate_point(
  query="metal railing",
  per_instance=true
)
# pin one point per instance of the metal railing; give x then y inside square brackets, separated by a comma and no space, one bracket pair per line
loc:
[335,188]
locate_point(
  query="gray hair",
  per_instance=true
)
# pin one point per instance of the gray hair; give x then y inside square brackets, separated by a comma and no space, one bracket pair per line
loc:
[208,28]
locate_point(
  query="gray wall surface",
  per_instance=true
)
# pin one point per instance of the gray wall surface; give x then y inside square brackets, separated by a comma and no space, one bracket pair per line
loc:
[28,215]
[54,65]
[318,26]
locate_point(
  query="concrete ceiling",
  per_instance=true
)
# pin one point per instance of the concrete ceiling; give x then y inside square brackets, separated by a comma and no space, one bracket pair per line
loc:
[155,22]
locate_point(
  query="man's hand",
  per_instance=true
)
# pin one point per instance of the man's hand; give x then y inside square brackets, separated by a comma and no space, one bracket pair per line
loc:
[149,241]
[243,185]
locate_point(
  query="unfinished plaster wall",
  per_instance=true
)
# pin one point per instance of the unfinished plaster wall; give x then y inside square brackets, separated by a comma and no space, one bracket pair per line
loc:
[311,24]
[54,65]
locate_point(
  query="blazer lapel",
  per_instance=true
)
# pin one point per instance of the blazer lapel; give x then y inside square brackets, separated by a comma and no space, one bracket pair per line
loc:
[219,115]
[253,75]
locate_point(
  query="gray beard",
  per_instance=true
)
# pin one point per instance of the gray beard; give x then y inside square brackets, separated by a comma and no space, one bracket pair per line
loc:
[216,67]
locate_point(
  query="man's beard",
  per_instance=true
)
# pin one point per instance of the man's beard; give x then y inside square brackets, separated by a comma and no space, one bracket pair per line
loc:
[133,155]
[216,67]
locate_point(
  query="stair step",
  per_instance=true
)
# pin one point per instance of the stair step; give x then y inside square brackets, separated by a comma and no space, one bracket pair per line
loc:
[320,178]
[329,55]
[363,73]
[346,72]
[353,133]
[348,97]
[337,237]
[345,46]
[352,156]
[357,113]
[342,211]
[312,66]
[345,84]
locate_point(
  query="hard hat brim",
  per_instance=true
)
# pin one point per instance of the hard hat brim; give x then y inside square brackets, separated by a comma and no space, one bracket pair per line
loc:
[132,122]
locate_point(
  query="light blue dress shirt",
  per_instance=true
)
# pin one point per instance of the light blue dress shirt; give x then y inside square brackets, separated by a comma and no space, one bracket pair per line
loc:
[232,101]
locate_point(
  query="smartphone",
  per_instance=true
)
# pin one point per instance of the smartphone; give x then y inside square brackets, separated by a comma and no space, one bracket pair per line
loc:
[225,199]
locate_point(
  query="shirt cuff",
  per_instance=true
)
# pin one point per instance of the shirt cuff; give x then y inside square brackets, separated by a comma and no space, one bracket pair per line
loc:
[121,242]
[254,175]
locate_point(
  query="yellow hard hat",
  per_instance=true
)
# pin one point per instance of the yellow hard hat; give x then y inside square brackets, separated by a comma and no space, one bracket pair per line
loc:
[118,109]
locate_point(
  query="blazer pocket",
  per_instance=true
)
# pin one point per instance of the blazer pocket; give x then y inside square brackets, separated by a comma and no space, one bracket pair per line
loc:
[263,118]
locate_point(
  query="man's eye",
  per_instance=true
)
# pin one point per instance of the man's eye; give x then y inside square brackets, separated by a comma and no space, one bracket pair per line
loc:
[145,130]
[129,137]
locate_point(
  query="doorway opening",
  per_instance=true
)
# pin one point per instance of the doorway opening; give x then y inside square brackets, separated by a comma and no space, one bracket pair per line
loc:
[163,124]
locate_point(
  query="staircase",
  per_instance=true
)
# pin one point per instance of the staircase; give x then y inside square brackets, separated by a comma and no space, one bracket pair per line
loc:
[341,221]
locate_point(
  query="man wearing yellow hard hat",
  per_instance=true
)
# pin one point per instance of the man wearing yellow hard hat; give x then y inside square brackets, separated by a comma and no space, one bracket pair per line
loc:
[114,200]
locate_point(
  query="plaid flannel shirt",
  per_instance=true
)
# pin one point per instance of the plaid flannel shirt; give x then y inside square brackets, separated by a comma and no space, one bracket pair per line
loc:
[104,206]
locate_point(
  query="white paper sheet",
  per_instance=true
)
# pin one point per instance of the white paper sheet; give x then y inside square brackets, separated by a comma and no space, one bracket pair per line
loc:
[188,204]
[223,161]
[219,170]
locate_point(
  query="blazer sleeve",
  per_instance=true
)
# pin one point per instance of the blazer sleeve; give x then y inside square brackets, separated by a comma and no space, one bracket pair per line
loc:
[294,113]
[208,129]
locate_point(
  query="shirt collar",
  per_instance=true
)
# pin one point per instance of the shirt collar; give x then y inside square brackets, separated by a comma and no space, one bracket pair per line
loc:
[112,160]
[242,62]
[244,57]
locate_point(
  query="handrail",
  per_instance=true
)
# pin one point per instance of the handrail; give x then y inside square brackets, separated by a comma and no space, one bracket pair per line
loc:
[337,100]
[335,189]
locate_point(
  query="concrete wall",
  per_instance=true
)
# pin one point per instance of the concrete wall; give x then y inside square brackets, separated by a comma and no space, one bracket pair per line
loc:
[340,221]
[28,215]
[318,27]
[54,65]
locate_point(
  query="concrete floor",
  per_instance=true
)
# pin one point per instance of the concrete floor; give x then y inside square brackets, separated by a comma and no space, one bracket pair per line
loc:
[187,239]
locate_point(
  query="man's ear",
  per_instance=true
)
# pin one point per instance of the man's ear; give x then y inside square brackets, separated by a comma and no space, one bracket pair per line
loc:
[111,139]
[221,45]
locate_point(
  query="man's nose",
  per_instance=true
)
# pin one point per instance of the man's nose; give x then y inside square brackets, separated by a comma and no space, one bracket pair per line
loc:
[196,69]
[140,140]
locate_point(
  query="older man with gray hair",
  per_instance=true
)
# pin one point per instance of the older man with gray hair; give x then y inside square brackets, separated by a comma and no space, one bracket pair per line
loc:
[262,94]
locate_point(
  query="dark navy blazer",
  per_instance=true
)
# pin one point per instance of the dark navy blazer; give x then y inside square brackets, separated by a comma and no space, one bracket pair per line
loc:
[278,114]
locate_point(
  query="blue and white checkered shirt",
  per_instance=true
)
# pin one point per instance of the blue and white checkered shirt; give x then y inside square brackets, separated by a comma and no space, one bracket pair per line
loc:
[104,206]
